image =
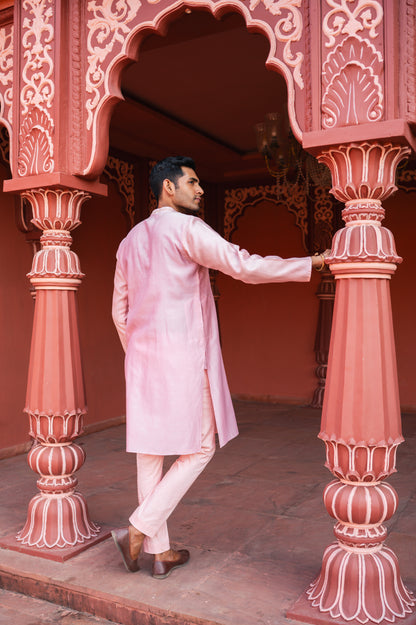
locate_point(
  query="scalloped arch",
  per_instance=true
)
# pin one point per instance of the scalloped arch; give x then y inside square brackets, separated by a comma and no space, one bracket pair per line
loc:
[290,195]
[114,41]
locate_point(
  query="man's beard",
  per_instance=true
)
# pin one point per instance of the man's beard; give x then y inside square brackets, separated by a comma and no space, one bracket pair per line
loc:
[188,211]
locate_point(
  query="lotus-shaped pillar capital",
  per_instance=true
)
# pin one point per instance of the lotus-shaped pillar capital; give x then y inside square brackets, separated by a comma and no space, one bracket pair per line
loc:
[363,171]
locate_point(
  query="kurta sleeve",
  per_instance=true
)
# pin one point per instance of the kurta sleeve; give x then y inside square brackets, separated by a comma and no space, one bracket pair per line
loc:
[120,304]
[206,247]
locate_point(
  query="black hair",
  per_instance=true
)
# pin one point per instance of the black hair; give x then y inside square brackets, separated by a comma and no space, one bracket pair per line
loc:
[170,168]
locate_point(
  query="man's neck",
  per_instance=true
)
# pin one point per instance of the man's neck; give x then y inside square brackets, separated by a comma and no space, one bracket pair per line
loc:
[179,209]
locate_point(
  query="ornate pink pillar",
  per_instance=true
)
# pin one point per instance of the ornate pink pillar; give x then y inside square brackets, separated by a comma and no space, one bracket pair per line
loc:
[47,143]
[55,401]
[360,580]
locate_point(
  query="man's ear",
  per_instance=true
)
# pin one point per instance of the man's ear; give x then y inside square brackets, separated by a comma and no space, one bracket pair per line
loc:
[168,186]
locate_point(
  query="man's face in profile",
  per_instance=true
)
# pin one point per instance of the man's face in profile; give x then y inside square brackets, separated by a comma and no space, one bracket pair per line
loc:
[188,192]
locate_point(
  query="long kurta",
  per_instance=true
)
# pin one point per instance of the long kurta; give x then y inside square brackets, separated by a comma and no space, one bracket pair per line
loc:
[164,312]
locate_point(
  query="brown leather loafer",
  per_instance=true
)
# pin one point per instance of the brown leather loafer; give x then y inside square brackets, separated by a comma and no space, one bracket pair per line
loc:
[163,568]
[122,542]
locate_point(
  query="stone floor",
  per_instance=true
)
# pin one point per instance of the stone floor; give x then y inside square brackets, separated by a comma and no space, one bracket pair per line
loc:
[254,522]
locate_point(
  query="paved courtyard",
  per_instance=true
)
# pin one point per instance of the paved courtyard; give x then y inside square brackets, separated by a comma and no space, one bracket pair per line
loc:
[254,522]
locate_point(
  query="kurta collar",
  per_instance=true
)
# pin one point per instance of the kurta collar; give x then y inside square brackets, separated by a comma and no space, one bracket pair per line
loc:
[164,209]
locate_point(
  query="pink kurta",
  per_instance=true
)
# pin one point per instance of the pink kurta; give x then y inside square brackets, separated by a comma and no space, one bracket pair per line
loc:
[165,314]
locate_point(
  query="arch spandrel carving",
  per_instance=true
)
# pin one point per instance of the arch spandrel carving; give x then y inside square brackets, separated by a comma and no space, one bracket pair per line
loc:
[113,35]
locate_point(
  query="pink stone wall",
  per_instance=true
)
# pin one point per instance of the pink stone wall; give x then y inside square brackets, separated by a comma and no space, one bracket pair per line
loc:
[16,315]
[401,220]
[95,242]
[268,331]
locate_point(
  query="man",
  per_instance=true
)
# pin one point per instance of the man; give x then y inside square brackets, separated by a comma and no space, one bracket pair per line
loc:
[176,388]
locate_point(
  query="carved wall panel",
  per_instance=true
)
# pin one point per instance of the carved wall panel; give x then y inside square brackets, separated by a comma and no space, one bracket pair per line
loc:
[237,200]
[324,217]
[408,66]
[6,75]
[122,173]
[406,177]
[314,214]
[346,17]
[352,71]
[152,203]
[4,146]
[152,199]
[36,149]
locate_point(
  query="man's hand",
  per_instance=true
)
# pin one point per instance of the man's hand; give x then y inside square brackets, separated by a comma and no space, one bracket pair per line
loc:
[318,260]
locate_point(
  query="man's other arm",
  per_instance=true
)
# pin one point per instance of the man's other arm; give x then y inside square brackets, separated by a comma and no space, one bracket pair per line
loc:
[120,304]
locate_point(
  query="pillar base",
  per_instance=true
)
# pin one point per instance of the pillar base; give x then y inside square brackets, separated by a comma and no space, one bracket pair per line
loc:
[58,554]
[304,612]
[59,522]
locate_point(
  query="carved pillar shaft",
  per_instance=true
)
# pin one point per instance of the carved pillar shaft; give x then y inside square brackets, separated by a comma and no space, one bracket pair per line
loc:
[360,579]
[55,401]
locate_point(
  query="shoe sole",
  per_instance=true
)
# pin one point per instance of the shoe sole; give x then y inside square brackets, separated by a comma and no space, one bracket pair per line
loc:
[165,575]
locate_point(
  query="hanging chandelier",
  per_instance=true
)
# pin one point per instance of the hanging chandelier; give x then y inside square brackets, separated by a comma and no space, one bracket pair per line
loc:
[285,158]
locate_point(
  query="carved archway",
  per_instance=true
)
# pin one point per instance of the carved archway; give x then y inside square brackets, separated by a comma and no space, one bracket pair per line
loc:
[108,36]
[114,37]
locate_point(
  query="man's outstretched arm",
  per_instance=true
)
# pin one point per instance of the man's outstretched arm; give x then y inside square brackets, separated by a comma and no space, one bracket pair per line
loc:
[208,248]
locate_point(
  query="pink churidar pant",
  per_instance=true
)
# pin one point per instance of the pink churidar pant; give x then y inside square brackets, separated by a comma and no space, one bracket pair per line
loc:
[158,496]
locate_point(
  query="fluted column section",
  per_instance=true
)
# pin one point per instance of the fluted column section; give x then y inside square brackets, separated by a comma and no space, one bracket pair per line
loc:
[55,402]
[360,579]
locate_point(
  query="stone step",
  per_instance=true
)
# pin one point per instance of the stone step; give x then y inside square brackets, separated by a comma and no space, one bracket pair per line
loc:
[18,609]
[75,599]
